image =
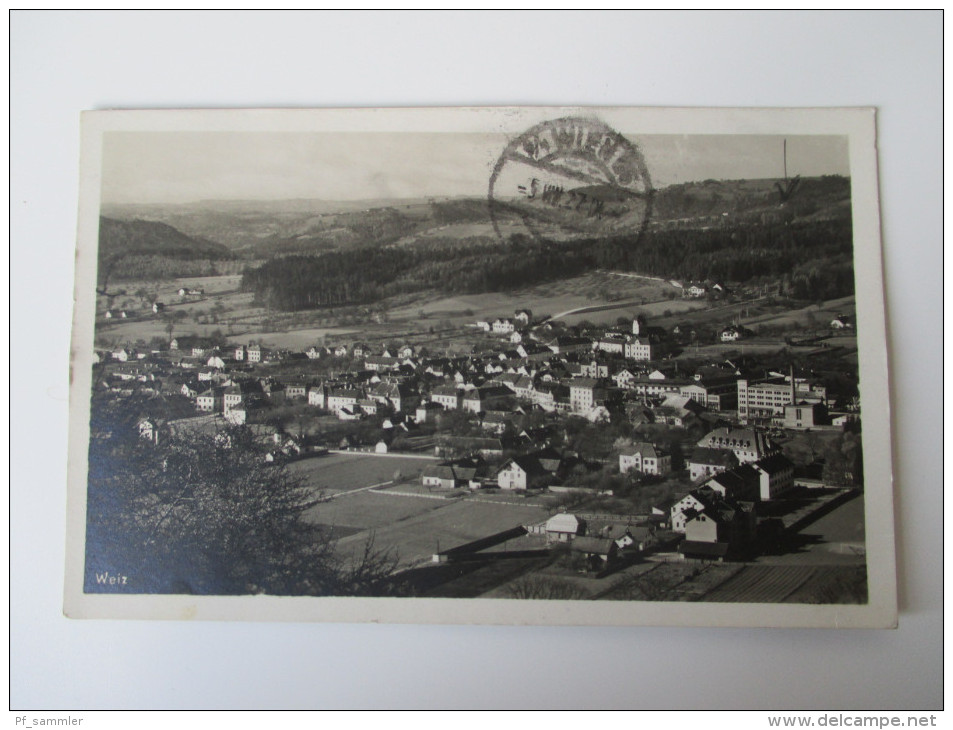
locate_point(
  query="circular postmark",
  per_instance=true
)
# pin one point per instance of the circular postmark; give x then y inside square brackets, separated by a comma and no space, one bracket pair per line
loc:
[571,179]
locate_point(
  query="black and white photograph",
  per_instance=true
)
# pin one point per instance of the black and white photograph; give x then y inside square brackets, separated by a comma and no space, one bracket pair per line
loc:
[490,365]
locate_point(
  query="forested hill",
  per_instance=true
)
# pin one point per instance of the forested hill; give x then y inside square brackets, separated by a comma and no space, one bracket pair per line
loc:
[755,201]
[137,237]
[810,260]
[795,233]
[137,249]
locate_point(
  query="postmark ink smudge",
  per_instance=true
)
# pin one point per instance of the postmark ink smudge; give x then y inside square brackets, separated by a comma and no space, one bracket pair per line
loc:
[571,179]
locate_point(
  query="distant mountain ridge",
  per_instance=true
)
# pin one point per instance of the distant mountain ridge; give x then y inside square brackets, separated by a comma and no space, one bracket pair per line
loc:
[266,228]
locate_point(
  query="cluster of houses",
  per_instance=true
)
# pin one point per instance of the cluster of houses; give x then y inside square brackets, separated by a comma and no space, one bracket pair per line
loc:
[734,470]
[597,540]
[717,518]
[699,289]
[155,308]
[592,377]
[597,376]
[186,294]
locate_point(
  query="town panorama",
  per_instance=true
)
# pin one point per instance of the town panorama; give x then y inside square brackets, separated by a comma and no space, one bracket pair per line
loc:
[403,397]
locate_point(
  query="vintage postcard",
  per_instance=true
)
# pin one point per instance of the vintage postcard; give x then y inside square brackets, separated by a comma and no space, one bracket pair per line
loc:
[481,365]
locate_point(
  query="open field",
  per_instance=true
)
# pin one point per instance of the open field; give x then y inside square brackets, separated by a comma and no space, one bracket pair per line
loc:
[296,339]
[761,312]
[369,510]
[608,314]
[822,314]
[601,297]
[551,298]
[417,527]
[146,329]
[460,231]
[744,347]
[337,473]
[489,305]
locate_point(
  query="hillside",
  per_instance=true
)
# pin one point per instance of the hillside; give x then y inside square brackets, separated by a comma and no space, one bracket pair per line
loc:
[752,201]
[262,229]
[794,233]
[153,238]
[267,227]
[137,249]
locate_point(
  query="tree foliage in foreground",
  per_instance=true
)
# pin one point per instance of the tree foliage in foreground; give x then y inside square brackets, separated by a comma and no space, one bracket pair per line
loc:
[206,514]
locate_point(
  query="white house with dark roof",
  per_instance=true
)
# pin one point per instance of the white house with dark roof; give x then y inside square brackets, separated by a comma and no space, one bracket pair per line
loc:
[448,396]
[379,363]
[641,348]
[210,401]
[344,399]
[503,326]
[624,378]
[523,472]
[688,506]
[697,290]
[645,458]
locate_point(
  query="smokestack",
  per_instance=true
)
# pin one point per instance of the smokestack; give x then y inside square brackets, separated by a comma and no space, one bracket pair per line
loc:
[793,399]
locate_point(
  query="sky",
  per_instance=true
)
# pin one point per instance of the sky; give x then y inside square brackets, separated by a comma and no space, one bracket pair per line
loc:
[181,167]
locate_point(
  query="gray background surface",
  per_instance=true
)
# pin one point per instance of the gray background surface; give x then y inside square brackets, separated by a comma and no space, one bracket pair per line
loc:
[62,63]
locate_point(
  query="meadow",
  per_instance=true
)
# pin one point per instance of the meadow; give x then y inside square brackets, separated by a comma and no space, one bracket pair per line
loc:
[336,473]
[413,526]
